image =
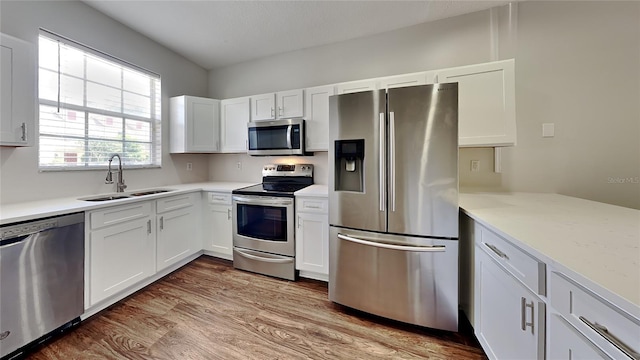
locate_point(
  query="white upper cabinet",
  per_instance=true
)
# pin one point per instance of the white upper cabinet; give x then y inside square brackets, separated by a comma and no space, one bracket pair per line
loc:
[486,103]
[194,124]
[414,79]
[234,116]
[317,117]
[280,105]
[357,86]
[18,92]
[263,107]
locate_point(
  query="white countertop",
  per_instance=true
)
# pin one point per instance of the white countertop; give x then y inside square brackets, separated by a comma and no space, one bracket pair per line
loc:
[314,191]
[599,242]
[11,213]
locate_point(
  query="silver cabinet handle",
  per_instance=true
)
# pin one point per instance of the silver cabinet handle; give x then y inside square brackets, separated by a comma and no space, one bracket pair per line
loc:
[273,113]
[228,214]
[497,251]
[523,310]
[382,177]
[161,222]
[149,227]
[435,248]
[280,110]
[604,332]
[260,258]
[392,158]
[24,131]
[299,222]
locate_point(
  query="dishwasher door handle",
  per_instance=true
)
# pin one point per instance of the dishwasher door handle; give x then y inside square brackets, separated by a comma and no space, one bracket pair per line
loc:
[13,241]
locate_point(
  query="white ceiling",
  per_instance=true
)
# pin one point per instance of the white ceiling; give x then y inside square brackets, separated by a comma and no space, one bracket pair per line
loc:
[218,33]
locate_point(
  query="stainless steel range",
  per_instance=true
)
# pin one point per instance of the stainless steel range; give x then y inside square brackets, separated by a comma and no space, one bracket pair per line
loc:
[263,221]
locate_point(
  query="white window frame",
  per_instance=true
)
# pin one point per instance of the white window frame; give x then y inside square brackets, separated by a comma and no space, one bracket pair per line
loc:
[154,120]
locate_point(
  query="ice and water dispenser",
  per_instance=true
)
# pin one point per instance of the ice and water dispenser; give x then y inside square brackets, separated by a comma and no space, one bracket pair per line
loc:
[349,159]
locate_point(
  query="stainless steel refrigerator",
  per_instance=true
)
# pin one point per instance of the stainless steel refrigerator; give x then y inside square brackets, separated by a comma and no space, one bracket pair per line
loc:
[393,203]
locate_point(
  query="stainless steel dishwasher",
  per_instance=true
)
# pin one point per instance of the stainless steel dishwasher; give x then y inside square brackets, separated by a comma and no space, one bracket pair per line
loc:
[41,279]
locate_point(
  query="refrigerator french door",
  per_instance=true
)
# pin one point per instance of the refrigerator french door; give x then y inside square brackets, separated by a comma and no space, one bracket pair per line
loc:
[393,203]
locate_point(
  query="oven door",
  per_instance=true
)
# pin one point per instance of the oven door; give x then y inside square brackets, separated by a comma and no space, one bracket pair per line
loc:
[264,223]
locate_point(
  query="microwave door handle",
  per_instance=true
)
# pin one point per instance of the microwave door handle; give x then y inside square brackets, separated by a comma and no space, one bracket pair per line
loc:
[289,136]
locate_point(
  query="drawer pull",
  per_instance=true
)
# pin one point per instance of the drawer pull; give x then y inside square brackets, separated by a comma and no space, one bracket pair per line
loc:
[497,251]
[313,207]
[524,305]
[604,332]
[228,214]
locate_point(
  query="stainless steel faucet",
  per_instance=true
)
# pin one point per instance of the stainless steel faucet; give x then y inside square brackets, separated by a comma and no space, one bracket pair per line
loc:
[120,186]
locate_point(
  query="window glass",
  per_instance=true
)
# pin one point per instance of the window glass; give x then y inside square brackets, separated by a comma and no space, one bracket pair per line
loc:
[93,106]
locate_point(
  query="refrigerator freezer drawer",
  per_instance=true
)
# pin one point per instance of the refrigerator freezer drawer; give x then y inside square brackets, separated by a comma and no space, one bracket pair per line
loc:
[415,282]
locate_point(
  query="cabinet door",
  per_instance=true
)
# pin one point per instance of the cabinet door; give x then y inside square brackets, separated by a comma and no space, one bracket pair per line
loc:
[263,107]
[312,244]
[505,309]
[317,117]
[120,256]
[177,237]
[565,342]
[218,231]
[357,86]
[405,80]
[194,124]
[234,116]
[486,103]
[290,104]
[18,92]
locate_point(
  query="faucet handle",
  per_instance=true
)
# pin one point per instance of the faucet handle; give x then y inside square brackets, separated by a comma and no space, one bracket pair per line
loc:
[109,178]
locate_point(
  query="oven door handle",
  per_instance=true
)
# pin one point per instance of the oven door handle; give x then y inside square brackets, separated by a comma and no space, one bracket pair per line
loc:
[260,258]
[262,200]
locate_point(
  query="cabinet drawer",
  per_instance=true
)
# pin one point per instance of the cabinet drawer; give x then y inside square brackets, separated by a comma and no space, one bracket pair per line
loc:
[615,331]
[118,214]
[565,342]
[219,198]
[315,205]
[517,262]
[175,202]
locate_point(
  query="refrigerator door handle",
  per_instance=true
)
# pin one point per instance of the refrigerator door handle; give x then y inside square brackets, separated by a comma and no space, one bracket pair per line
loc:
[382,155]
[392,159]
[435,248]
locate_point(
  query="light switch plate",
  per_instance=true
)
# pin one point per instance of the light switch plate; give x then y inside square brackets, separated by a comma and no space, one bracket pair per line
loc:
[548,130]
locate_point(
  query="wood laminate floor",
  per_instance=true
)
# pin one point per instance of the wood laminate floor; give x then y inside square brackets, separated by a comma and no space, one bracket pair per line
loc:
[209,310]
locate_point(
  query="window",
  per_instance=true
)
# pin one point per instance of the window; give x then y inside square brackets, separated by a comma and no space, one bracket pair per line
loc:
[93,106]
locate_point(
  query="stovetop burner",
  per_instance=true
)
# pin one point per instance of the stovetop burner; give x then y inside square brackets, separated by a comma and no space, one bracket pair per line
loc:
[280,180]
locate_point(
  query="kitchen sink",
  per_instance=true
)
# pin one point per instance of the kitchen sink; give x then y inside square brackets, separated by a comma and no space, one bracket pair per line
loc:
[149,192]
[105,198]
[110,197]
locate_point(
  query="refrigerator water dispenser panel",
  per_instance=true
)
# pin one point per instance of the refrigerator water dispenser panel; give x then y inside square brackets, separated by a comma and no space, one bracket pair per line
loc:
[349,156]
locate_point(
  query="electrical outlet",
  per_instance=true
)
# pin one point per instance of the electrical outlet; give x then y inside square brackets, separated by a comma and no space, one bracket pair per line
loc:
[475,165]
[239,165]
[189,166]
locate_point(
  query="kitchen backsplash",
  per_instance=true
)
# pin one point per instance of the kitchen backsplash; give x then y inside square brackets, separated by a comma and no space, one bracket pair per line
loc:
[245,168]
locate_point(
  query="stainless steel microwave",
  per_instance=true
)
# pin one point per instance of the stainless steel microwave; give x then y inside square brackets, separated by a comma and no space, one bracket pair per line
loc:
[279,137]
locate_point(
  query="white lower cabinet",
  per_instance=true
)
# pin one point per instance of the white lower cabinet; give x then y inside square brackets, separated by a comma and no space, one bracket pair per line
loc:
[122,251]
[312,238]
[565,342]
[509,317]
[218,226]
[178,229]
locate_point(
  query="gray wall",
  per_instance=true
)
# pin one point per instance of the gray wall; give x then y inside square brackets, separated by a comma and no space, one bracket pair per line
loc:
[19,176]
[577,66]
